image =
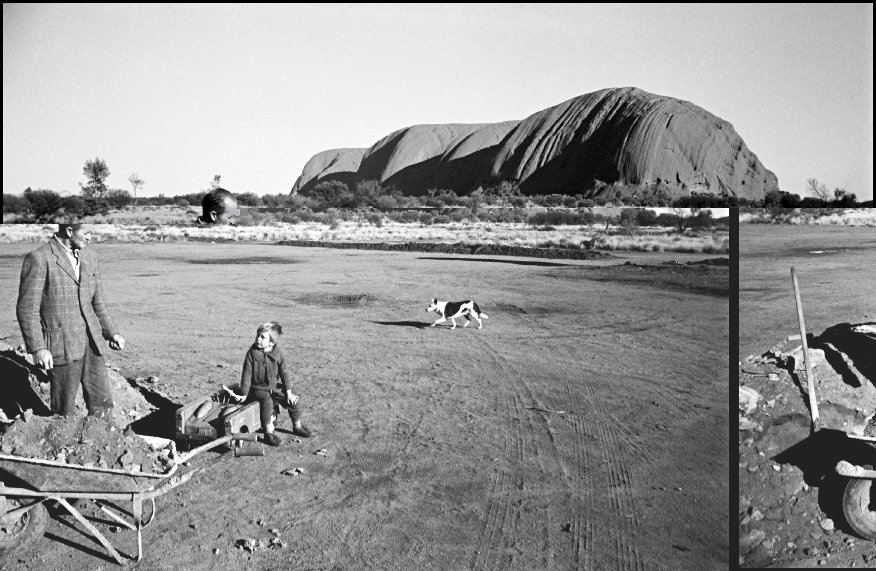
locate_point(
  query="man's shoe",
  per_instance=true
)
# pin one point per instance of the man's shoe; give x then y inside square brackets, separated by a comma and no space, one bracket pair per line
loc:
[303,432]
[272,439]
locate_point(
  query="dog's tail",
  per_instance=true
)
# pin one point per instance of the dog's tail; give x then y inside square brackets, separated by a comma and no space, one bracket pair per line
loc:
[478,310]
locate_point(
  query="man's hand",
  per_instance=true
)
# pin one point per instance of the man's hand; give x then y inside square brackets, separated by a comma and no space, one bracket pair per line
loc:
[117,342]
[290,398]
[44,359]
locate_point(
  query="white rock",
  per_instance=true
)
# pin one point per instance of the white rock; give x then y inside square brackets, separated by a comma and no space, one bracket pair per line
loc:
[748,398]
[746,424]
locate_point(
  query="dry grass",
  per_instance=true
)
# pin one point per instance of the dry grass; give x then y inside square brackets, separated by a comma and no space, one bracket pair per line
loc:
[712,244]
[146,215]
[850,217]
[511,234]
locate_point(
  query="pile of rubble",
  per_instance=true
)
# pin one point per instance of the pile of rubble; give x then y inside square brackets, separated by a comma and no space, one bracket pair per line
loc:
[82,441]
[788,507]
[28,429]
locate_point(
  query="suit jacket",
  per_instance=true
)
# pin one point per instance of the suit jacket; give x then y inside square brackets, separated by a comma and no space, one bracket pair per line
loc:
[58,312]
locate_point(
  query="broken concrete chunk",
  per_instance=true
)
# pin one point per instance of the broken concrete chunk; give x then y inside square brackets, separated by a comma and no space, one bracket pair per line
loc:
[816,357]
[746,424]
[748,398]
[752,540]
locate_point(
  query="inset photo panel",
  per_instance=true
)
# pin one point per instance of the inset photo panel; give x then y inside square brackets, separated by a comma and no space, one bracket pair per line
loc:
[807,387]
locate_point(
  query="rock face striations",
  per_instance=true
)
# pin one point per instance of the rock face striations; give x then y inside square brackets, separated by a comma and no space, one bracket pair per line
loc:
[624,136]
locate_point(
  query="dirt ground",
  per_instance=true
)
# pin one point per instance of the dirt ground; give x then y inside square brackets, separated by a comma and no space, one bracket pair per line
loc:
[790,498]
[584,427]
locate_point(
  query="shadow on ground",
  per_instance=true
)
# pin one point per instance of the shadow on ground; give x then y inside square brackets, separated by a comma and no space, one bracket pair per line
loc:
[817,456]
[17,393]
[160,422]
[415,324]
[859,348]
[518,262]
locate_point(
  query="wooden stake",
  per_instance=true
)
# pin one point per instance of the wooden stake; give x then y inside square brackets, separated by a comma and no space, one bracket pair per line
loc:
[813,404]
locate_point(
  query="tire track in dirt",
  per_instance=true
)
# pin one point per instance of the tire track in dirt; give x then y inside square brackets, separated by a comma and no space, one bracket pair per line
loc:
[583,538]
[499,501]
[604,427]
[522,438]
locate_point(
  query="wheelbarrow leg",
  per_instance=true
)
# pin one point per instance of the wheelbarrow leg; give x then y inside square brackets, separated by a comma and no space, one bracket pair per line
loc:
[137,514]
[87,524]
[138,519]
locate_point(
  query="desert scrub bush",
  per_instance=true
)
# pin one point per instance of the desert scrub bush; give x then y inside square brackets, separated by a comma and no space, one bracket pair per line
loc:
[42,205]
[404,216]
[559,218]
[375,219]
[386,202]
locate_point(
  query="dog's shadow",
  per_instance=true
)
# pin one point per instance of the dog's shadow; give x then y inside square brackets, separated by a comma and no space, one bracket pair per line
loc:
[416,324]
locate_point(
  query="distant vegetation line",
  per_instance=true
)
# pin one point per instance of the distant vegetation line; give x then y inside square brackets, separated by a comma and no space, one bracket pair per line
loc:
[96,200]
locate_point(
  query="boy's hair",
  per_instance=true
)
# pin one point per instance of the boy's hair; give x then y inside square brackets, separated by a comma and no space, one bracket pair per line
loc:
[275,328]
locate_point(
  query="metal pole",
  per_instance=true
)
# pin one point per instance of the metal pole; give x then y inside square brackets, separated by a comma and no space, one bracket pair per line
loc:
[810,382]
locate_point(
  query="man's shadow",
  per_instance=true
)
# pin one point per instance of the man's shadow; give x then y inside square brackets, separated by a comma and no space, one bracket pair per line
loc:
[817,457]
[842,339]
[20,386]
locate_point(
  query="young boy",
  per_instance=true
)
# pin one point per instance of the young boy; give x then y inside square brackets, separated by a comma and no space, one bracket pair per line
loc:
[263,369]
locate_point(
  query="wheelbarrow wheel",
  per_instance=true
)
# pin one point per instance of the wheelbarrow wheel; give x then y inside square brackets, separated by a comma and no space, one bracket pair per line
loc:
[859,507]
[29,527]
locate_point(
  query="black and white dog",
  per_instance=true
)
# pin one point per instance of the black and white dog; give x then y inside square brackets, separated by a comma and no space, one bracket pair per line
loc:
[453,309]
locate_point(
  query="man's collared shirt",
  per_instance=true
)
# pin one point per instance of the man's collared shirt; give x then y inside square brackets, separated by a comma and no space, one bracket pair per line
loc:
[73,256]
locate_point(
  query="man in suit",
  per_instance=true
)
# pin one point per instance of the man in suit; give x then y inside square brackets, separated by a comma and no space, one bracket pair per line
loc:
[64,320]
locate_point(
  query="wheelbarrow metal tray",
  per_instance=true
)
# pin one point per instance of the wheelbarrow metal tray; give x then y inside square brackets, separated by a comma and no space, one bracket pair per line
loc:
[53,476]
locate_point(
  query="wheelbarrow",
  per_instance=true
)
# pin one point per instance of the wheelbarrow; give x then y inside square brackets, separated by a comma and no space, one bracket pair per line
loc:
[27,483]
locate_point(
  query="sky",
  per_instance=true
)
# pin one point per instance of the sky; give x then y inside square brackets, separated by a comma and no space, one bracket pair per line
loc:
[179,93]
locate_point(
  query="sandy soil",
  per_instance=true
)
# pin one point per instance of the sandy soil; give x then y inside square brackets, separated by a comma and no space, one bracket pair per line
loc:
[584,427]
[790,498]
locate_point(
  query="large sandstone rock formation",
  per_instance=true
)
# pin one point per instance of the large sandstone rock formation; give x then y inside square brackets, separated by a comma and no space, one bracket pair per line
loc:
[624,135]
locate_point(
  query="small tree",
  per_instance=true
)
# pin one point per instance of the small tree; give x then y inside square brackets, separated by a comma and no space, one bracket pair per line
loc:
[843,198]
[217,182]
[629,220]
[684,216]
[96,172]
[136,182]
[819,190]
[95,189]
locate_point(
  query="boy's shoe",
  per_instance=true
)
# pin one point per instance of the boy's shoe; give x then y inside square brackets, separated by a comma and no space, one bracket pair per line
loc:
[272,439]
[303,432]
